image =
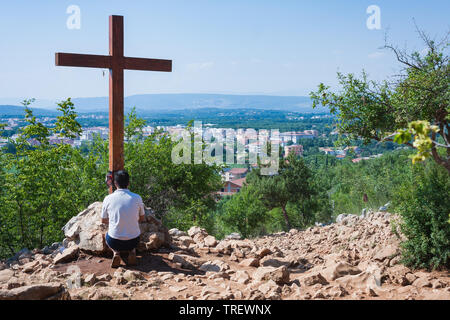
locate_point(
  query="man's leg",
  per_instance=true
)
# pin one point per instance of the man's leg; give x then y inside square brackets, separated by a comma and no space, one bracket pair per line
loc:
[116,254]
[132,258]
[115,260]
[131,261]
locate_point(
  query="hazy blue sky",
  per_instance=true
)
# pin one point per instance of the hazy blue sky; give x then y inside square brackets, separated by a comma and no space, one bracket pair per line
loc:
[230,46]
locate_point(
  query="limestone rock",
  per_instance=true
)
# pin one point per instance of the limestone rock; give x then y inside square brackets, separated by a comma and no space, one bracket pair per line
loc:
[274,262]
[49,291]
[224,247]
[177,233]
[250,262]
[86,229]
[104,277]
[67,255]
[389,251]
[177,288]
[30,267]
[242,277]
[422,282]
[261,253]
[88,232]
[338,270]
[90,279]
[131,275]
[185,240]
[314,278]
[210,241]
[269,287]
[15,282]
[185,261]
[196,230]
[279,275]
[214,266]
[338,291]
[233,236]
[153,240]
[5,275]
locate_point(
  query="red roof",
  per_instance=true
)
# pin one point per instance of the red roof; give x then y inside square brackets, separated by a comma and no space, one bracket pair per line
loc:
[238,182]
[238,170]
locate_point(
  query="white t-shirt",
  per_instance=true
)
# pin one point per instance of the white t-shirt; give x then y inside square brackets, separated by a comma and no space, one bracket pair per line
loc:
[123,208]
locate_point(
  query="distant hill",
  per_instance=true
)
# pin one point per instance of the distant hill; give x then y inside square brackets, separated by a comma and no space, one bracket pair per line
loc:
[167,102]
[191,101]
[10,110]
[157,103]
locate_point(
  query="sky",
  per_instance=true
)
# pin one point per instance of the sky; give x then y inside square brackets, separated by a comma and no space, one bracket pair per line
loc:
[234,46]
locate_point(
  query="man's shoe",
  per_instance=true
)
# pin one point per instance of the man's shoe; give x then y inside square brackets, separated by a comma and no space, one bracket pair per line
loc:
[115,261]
[132,258]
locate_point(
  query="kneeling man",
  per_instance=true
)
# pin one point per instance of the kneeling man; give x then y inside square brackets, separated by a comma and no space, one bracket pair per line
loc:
[123,210]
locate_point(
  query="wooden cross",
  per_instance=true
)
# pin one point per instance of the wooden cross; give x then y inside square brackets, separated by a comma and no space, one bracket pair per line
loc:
[116,62]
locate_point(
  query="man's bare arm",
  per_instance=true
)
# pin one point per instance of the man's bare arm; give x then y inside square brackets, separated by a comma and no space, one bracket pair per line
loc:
[142,218]
[105,220]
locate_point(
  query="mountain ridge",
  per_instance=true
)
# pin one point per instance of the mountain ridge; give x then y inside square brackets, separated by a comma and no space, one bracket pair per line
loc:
[180,101]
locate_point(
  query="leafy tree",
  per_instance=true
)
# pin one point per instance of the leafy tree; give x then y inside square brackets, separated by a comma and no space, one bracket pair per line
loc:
[244,212]
[292,184]
[414,106]
[66,125]
[44,185]
[134,127]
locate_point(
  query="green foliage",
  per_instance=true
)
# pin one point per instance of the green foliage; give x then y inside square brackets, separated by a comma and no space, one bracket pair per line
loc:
[134,127]
[292,185]
[245,213]
[423,203]
[420,130]
[346,182]
[34,130]
[66,125]
[43,186]
[415,106]
[163,184]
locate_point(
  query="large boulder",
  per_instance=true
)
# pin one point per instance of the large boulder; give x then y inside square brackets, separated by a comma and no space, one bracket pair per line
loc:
[185,261]
[5,275]
[67,255]
[279,275]
[88,232]
[386,252]
[47,291]
[197,230]
[214,266]
[339,269]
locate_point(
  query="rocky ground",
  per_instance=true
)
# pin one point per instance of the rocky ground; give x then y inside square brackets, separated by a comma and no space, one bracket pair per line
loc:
[355,258]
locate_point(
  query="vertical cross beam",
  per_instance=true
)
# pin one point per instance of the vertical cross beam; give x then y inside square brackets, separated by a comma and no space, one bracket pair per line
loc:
[116,95]
[116,62]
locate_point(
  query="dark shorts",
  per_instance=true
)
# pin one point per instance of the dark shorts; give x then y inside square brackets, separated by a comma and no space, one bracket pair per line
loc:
[121,245]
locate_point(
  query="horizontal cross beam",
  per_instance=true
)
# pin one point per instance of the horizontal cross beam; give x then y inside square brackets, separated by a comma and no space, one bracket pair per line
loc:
[148,64]
[105,62]
[82,60]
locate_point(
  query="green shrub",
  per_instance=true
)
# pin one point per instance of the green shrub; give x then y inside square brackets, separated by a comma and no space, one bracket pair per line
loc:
[424,205]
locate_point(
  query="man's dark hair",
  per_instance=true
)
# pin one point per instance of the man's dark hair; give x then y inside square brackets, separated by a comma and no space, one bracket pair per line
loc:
[122,179]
